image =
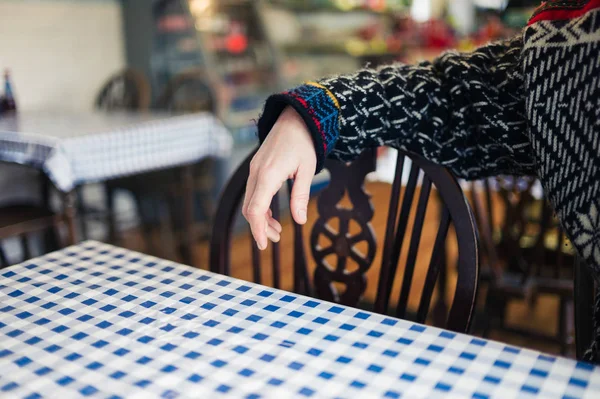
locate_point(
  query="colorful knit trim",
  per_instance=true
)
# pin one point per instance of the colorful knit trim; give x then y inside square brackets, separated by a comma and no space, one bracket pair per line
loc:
[562,10]
[319,109]
[324,110]
[329,93]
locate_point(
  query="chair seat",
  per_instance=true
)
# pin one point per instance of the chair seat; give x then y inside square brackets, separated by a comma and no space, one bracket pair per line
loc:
[24,218]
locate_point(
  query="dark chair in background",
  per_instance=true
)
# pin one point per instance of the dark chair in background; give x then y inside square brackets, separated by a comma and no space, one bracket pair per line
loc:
[343,254]
[188,92]
[127,90]
[22,220]
[159,195]
[193,91]
[524,255]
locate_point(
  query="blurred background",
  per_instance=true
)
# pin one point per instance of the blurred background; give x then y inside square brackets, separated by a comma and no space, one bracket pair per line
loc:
[225,57]
[61,52]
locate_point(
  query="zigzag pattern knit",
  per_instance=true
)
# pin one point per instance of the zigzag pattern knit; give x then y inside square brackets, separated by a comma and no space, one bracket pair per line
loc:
[527,106]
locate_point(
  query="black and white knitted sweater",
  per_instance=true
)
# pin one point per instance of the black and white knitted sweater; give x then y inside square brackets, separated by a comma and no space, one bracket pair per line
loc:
[526,106]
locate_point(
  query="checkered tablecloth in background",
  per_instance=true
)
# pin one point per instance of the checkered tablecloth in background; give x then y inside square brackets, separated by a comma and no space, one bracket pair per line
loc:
[100,321]
[85,148]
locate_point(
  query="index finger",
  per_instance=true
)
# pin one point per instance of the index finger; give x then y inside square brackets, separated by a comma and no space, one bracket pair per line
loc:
[258,208]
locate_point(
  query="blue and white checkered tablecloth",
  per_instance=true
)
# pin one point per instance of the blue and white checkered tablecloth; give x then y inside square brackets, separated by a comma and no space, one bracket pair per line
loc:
[84,148]
[100,321]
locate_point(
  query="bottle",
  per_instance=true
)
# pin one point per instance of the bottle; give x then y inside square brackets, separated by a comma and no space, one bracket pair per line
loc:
[9,105]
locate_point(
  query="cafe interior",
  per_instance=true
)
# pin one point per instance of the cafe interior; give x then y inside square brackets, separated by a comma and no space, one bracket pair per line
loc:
[127,269]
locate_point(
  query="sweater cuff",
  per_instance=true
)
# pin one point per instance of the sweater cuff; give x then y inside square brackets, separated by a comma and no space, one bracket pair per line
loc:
[318,108]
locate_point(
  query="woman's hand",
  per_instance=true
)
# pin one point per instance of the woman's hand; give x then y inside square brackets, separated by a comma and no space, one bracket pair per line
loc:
[288,152]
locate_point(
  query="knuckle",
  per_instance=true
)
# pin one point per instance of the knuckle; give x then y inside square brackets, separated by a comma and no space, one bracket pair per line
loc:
[254,165]
[253,210]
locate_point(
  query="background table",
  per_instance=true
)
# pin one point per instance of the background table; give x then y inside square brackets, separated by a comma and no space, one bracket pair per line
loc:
[96,320]
[85,148]
[75,149]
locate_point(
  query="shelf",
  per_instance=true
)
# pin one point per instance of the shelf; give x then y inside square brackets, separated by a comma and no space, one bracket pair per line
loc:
[337,49]
[311,7]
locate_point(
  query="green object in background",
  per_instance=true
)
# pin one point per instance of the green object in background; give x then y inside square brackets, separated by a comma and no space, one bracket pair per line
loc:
[517,18]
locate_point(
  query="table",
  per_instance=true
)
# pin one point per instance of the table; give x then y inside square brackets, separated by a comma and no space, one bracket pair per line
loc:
[75,149]
[101,321]
[84,148]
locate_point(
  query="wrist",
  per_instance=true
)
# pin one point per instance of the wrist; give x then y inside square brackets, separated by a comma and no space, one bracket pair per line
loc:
[316,109]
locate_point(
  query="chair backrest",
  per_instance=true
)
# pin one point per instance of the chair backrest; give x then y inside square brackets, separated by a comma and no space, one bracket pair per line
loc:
[127,90]
[190,91]
[345,233]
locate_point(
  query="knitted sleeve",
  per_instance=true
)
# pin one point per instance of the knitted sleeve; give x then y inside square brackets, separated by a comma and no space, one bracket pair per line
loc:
[465,111]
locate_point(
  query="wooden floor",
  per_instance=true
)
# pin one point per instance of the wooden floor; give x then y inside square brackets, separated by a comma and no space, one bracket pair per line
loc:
[541,318]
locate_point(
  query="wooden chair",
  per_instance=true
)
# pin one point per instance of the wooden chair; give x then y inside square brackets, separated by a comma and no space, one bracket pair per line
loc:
[344,281]
[127,90]
[525,256]
[188,92]
[21,220]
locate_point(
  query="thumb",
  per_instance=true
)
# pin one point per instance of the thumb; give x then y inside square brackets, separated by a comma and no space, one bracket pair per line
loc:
[301,194]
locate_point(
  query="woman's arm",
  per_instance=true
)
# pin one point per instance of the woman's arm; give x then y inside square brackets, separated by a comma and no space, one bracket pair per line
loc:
[463,111]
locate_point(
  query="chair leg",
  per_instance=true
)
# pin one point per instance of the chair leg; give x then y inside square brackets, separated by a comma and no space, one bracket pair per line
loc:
[487,319]
[188,239]
[209,196]
[562,326]
[495,311]
[3,259]
[25,247]
[175,224]
[109,194]
[51,240]
[145,227]
[81,212]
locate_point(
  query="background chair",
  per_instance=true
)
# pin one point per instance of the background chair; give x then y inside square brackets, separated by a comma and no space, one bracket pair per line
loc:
[343,246]
[188,92]
[127,90]
[525,255]
[20,220]
[159,195]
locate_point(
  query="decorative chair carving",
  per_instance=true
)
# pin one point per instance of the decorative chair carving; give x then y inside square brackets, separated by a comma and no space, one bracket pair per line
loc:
[340,282]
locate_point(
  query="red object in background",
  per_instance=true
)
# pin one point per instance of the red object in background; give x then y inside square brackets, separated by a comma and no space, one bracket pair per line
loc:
[492,30]
[236,43]
[377,5]
[394,44]
[369,32]
[437,34]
